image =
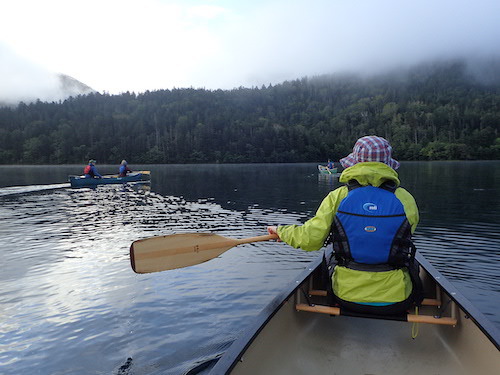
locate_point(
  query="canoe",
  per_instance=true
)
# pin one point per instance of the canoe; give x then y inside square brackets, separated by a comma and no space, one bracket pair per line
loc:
[81,181]
[298,334]
[324,170]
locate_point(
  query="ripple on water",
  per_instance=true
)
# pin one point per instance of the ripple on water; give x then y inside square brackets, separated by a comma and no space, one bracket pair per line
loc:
[69,285]
[68,292]
[466,254]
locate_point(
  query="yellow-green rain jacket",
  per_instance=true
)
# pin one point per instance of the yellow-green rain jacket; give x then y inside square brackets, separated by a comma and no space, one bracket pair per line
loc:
[352,285]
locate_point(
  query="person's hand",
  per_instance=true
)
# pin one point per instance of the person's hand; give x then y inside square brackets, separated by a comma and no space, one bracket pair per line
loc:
[274,230]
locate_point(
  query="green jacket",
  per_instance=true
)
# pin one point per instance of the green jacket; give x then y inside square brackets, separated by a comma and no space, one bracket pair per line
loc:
[351,285]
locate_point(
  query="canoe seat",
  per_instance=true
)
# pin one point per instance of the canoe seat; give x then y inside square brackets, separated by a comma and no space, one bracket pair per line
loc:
[425,302]
[413,318]
[409,317]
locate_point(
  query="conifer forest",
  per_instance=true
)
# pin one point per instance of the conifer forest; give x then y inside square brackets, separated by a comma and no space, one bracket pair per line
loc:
[438,111]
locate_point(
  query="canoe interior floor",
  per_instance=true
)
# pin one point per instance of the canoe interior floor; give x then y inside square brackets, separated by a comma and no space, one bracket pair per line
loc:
[304,343]
[300,342]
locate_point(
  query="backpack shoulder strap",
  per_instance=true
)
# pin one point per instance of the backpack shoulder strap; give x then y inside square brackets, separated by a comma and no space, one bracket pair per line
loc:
[389,186]
[353,184]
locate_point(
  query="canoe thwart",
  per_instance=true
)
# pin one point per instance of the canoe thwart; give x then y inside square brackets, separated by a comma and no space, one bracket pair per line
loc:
[316,292]
[409,317]
[318,309]
[425,302]
[431,320]
[431,302]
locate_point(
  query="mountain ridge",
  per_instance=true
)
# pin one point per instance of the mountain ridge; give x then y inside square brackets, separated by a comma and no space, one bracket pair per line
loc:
[56,87]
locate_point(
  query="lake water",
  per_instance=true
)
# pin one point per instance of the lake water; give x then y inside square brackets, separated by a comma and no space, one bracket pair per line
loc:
[70,303]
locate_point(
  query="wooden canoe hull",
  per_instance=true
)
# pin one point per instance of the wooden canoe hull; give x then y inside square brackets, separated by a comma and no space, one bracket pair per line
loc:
[286,341]
[81,181]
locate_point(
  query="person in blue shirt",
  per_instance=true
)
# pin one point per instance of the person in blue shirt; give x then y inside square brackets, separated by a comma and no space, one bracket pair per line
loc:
[90,170]
[330,164]
[124,169]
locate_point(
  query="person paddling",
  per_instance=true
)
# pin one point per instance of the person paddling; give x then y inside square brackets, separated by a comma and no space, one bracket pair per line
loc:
[124,169]
[370,221]
[90,170]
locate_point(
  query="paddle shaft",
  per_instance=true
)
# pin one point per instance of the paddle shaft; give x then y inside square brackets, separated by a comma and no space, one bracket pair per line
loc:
[267,237]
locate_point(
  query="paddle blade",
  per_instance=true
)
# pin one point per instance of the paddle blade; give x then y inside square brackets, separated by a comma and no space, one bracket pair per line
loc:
[177,251]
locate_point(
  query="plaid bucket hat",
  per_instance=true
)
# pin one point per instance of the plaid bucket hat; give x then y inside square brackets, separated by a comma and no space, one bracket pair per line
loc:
[370,148]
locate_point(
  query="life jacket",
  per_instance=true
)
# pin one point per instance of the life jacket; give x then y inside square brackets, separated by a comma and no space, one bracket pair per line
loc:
[124,169]
[371,230]
[371,233]
[87,169]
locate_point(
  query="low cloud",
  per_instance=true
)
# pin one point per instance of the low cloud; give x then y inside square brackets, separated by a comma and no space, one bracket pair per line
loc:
[131,45]
[23,80]
[287,40]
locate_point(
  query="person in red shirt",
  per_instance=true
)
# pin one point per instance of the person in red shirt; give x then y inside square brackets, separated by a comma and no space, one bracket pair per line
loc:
[90,170]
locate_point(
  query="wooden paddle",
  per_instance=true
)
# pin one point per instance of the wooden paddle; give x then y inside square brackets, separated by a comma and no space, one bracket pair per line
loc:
[163,253]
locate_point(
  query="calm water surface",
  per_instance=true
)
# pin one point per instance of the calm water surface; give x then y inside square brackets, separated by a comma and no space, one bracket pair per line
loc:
[70,304]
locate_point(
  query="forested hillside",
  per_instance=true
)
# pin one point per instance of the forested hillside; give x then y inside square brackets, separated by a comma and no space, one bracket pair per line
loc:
[434,111]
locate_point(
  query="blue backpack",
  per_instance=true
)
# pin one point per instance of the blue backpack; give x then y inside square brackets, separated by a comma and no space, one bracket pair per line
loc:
[371,232]
[371,228]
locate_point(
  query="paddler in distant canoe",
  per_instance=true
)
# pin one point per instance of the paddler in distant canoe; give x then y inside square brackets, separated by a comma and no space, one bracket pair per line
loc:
[90,170]
[124,169]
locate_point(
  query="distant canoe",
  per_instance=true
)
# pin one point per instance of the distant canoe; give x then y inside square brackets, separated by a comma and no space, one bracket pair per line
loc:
[325,170]
[81,181]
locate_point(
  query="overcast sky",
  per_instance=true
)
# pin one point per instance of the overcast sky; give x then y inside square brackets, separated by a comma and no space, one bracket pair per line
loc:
[136,45]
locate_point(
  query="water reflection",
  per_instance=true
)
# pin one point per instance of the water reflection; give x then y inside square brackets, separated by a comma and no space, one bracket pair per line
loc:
[136,186]
[239,187]
[68,292]
[329,180]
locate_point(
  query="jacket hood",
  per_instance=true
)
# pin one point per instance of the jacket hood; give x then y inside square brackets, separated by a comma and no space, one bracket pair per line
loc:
[370,173]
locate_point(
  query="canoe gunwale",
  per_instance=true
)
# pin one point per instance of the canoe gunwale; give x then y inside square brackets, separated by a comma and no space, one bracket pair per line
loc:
[236,351]
[484,324]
